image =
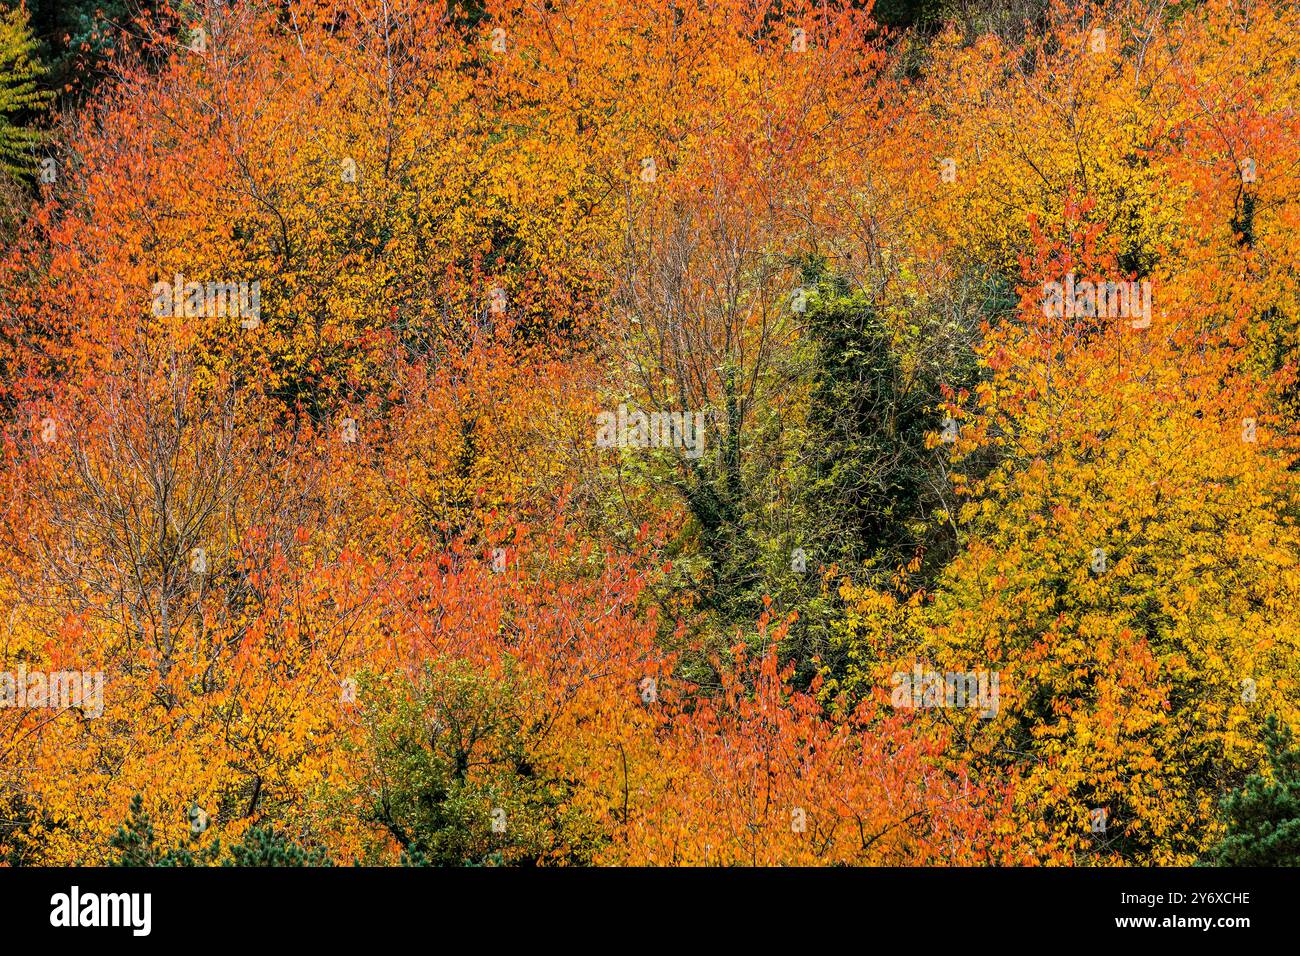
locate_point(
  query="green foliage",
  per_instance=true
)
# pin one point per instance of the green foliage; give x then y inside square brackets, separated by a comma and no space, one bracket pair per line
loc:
[20,98]
[267,847]
[136,845]
[453,771]
[1263,817]
[19,819]
[841,484]
[869,468]
[76,38]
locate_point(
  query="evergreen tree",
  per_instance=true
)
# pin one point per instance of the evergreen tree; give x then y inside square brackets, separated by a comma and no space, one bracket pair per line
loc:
[1263,817]
[268,847]
[20,97]
[136,845]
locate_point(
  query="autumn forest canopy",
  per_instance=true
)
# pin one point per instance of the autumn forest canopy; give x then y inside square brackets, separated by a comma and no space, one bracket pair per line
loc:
[670,432]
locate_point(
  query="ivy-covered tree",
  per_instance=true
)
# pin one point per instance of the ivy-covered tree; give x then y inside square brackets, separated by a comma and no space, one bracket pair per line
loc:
[866,482]
[869,465]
